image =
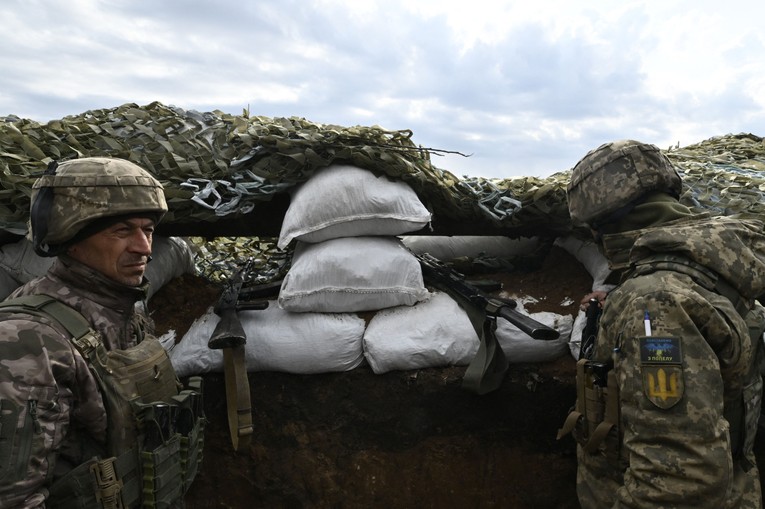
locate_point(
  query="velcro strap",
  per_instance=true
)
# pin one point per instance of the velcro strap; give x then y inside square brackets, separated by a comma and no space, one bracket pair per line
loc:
[600,434]
[237,397]
[569,424]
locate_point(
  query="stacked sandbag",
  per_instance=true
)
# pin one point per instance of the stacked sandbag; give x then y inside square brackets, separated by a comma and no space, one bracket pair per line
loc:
[433,332]
[346,224]
[448,248]
[277,340]
[348,257]
[344,221]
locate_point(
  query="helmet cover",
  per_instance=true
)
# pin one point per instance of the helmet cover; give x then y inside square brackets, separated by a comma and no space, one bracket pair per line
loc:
[75,193]
[616,175]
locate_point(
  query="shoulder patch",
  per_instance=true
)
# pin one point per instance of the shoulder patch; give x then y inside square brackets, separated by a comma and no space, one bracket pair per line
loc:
[661,363]
[660,350]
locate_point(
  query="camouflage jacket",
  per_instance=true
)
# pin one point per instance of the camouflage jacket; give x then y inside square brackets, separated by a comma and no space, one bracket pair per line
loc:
[39,364]
[689,387]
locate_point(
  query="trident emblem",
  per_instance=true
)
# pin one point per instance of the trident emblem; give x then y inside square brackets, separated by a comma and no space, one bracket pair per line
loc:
[658,388]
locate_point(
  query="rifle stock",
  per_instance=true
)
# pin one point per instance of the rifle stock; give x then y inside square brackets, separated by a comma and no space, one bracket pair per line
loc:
[228,332]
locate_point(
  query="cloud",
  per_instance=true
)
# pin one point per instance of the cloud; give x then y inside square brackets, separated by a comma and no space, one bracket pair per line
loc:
[526,88]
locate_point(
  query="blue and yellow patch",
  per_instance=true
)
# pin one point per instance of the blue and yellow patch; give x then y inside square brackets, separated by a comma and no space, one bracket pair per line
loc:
[661,361]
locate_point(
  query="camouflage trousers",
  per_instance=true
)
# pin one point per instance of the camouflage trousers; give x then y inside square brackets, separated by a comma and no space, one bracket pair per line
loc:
[600,486]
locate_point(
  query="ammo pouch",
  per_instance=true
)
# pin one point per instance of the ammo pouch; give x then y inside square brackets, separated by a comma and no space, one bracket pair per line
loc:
[172,443]
[156,473]
[147,469]
[594,421]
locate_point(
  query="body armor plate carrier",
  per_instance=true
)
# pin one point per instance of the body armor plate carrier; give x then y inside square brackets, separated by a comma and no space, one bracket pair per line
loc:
[155,432]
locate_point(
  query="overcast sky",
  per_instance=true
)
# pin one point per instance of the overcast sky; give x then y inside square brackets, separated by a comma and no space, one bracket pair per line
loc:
[526,87]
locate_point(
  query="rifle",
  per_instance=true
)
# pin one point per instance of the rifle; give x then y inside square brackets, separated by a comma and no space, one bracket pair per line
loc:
[229,336]
[590,330]
[440,275]
[487,369]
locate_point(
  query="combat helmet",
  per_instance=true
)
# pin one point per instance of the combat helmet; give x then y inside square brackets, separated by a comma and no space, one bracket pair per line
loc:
[611,179]
[72,195]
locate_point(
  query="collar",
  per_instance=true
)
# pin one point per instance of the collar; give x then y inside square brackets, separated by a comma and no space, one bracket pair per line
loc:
[98,287]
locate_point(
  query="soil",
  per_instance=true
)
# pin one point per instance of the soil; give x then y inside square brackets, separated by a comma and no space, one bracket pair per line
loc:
[399,440]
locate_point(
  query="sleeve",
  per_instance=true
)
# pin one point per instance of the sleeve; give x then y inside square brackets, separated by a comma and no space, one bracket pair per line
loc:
[675,437]
[42,381]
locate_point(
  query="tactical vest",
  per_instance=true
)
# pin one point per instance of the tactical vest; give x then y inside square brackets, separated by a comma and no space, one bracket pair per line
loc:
[595,419]
[154,432]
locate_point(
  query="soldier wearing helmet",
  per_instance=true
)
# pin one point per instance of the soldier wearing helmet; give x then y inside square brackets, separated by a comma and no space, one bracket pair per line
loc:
[84,384]
[669,398]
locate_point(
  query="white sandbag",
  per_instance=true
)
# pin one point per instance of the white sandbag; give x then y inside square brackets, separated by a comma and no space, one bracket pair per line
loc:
[587,253]
[519,347]
[435,332]
[277,340]
[347,201]
[352,274]
[472,246]
[171,257]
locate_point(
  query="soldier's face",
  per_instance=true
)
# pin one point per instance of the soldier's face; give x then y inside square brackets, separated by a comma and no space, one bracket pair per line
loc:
[120,252]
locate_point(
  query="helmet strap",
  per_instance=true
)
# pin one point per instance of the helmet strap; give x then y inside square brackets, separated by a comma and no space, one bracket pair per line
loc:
[40,215]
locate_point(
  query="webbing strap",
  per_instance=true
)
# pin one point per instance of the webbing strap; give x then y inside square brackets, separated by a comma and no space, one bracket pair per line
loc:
[486,371]
[578,412]
[705,277]
[237,397]
[610,418]
[45,305]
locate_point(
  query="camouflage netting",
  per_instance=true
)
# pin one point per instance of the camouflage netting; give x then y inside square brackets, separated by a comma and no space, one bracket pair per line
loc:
[723,175]
[216,166]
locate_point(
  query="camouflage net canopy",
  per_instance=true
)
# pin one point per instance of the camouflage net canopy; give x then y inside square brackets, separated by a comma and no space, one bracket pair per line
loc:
[215,165]
[723,175]
[218,167]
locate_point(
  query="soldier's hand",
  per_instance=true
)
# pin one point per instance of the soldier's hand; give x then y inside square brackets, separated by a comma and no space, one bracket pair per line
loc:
[600,295]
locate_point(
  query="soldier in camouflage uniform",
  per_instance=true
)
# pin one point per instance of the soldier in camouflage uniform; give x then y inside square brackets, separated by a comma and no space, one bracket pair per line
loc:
[97,216]
[668,403]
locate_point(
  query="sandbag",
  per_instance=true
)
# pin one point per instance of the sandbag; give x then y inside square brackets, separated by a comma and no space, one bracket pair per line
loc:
[171,257]
[347,201]
[448,248]
[432,333]
[587,253]
[352,274]
[520,348]
[277,340]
